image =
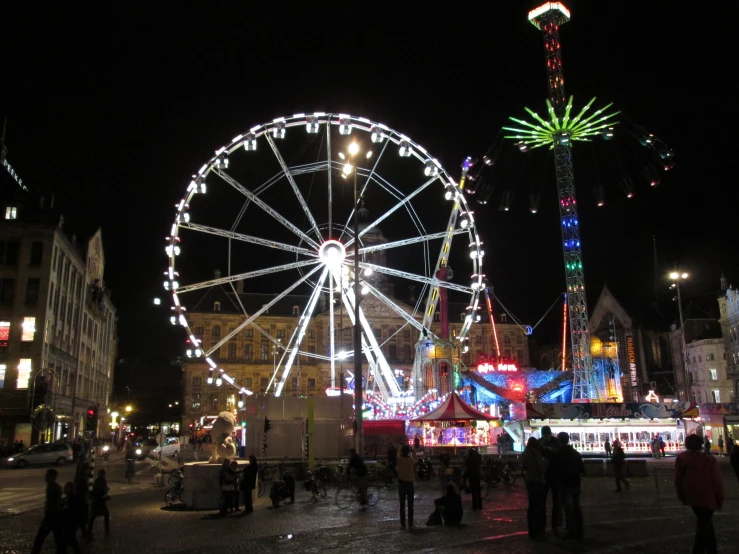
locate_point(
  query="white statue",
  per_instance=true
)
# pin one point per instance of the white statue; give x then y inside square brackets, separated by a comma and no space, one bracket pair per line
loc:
[223,445]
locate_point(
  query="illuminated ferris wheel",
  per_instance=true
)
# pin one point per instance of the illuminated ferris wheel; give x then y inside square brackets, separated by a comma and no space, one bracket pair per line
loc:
[276,207]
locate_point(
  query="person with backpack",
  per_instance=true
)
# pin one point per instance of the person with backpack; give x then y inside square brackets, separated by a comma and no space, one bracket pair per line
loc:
[698,484]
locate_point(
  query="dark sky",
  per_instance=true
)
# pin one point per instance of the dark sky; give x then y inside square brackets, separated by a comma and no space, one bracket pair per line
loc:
[115,107]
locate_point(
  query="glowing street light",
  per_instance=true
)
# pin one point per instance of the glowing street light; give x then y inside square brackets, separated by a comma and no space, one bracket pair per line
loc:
[677,276]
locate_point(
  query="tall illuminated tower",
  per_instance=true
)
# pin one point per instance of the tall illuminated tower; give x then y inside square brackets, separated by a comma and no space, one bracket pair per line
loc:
[547,18]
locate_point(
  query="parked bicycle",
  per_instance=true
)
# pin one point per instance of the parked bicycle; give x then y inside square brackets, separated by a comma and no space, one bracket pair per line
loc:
[174,494]
[314,486]
[349,493]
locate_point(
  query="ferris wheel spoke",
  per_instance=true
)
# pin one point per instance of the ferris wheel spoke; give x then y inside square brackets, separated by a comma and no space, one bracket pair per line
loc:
[330,205]
[442,260]
[332,332]
[405,242]
[248,321]
[248,238]
[415,277]
[396,207]
[364,188]
[264,206]
[302,326]
[247,275]
[294,186]
[397,309]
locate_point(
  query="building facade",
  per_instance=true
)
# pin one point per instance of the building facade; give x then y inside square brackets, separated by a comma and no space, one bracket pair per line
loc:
[707,367]
[57,327]
[252,356]
[729,321]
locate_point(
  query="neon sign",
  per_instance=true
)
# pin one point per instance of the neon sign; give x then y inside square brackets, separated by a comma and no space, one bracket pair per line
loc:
[336,391]
[489,368]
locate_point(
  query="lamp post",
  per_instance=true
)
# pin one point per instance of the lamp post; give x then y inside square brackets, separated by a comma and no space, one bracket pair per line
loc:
[677,277]
[358,399]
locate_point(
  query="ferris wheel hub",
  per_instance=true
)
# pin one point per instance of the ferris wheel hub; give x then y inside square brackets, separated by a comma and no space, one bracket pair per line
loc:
[332,253]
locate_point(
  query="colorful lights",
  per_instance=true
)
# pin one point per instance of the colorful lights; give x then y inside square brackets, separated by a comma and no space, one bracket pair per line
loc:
[490,368]
[563,14]
[561,130]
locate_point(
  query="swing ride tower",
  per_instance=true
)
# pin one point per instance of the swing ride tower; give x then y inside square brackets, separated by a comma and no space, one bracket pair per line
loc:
[548,17]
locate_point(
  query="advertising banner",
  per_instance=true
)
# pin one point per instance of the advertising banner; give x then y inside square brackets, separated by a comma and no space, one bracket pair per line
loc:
[608,410]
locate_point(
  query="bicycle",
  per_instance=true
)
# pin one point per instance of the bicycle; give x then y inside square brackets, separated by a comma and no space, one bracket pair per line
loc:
[316,488]
[175,492]
[349,493]
[266,473]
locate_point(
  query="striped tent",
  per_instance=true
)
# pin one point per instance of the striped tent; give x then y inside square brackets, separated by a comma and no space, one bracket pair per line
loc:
[454,408]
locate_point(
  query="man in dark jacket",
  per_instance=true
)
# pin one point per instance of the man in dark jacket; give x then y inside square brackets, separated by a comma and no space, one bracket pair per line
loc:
[570,467]
[619,468]
[357,468]
[473,471]
[249,483]
[549,446]
[52,515]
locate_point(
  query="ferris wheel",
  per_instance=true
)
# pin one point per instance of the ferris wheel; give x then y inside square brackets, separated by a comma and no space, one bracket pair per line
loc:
[276,207]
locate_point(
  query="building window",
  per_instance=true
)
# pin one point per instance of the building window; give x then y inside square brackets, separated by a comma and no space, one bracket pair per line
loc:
[378,333]
[24,373]
[7,290]
[716,396]
[281,334]
[4,335]
[519,356]
[197,382]
[215,331]
[295,384]
[214,401]
[348,332]
[406,333]
[198,331]
[478,339]
[231,351]
[248,383]
[216,306]
[393,353]
[296,310]
[506,339]
[311,334]
[249,333]
[714,374]
[37,252]
[519,338]
[195,404]
[311,384]
[32,289]
[11,212]
[249,352]
[710,357]
[263,384]
[3,368]
[264,351]
[29,329]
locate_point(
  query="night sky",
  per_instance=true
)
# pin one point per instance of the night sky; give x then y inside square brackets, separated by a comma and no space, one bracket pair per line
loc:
[113,108]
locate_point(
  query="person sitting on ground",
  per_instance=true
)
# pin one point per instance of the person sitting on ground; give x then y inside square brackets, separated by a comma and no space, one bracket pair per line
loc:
[450,506]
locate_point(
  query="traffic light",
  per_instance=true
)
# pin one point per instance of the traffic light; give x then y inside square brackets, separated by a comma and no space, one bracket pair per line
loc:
[91,422]
[267,424]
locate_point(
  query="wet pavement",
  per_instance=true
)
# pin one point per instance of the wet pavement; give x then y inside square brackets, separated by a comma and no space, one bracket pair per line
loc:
[645,519]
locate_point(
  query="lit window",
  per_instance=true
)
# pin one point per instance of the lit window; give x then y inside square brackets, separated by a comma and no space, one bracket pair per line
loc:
[11,212]
[216,306]
[29,329]
[3,367]
[716,396]
[4,332]
[714,374]
[24,373]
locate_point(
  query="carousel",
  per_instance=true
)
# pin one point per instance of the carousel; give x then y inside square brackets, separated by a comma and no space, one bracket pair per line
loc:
[452,424]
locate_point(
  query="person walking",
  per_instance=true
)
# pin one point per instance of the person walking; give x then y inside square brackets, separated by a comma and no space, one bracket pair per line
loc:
[699,484]
[720,445]
[82,496]
[70,518]
[570,467]
[52,514]
[707,446]
[392,462]
[406,486]
[534,469]
[607,447]
[474,474]
[619,469]
[549,446]
[99,505]
[249,483]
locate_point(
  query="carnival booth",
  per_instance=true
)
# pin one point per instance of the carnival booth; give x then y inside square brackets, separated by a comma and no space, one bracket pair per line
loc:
[634,425]
[454,423]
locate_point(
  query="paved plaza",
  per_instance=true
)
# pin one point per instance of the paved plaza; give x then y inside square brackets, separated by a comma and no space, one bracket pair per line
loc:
[646,519]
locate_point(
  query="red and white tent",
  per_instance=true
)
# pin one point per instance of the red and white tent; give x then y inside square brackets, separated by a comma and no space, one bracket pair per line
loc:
[454,408]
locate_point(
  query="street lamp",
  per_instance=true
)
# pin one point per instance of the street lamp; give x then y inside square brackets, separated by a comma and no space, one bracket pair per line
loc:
[677,277]
[348,169]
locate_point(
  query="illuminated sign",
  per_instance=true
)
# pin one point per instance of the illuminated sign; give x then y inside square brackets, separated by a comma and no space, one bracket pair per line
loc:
[489,368]
[335,391]
[14,175]
[631,353]
[651,397]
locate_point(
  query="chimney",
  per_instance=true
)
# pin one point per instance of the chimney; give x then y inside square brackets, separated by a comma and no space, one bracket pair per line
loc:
[217,274]
[412,293]
[239,287]
[723,283]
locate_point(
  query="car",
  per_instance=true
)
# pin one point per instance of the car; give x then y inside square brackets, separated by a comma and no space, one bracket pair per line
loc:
[171,448]
[146,448]
[54,453]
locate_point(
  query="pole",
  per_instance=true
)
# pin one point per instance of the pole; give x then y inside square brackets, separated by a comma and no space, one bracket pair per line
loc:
[359,436]
[686,374]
